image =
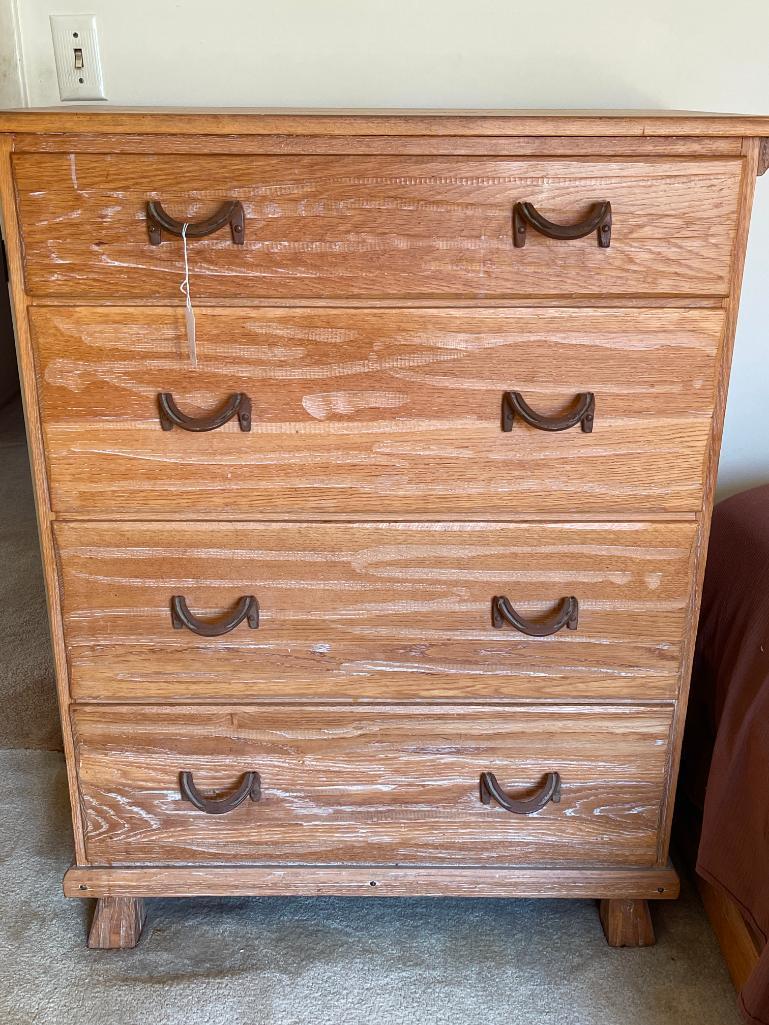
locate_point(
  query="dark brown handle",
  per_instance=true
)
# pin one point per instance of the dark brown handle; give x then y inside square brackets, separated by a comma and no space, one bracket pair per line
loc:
[583,413]
[247,608]
[549,791]
[566,615]
[230,212]
[238,405]
[250,786]
[598,220]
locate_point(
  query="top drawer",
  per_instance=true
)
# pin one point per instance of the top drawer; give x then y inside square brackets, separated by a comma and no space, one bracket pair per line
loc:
[371,227]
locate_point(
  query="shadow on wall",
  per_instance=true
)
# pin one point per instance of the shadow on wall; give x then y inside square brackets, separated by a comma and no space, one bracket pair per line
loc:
[745,452]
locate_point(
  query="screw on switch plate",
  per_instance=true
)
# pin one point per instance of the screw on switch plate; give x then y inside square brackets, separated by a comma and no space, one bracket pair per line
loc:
[76,48]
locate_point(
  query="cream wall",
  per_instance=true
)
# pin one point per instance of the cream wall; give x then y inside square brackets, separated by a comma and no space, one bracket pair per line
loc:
[11,83]
[700,54]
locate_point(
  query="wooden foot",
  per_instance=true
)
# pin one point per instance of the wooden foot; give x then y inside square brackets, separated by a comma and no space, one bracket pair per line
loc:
[627,923]
[117,923]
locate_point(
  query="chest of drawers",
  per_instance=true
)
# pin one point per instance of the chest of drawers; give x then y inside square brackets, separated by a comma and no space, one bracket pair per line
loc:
[389,588]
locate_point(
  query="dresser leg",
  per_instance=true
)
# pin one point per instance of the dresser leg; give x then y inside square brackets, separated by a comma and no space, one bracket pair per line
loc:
[627,923]
[117,923]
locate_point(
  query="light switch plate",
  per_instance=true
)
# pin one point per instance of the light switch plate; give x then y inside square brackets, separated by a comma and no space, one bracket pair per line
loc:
[76,48]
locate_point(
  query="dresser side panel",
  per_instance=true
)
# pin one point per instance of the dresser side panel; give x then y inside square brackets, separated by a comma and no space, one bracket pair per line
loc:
[751,150]
[19,305]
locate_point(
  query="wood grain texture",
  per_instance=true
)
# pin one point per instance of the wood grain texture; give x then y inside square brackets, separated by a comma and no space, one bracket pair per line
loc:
[117,923]
[318,881]
[447,145]
[747,190]
[32,419]
[377,611]
[376,411]
[381,121]
[387,786]
[627,923]
[379,226]
[377,209]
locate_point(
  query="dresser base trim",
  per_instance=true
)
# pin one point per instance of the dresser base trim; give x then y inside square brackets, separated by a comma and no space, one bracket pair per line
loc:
[313,881]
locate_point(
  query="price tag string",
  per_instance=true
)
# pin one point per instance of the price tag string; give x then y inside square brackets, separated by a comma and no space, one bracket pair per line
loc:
[189,313]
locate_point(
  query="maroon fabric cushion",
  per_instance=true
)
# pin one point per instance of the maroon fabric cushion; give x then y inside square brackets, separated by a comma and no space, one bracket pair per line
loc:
[730,714]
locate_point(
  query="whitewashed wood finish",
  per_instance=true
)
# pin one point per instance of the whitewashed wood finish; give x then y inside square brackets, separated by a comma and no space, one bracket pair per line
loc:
[751,149]
[376,411]
[117,923]
[416,145]
[391,124]
[378,226]
[378,611]
[386,786]
[679,241]
[657,883]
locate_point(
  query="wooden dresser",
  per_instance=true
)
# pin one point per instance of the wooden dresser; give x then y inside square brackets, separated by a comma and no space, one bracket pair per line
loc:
[389,587]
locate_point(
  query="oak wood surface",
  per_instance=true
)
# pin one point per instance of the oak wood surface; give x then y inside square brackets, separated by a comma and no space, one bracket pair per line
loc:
[450,145]
[659,883]
[117,923]
[372,785]
[421,217]
[627,923]
[375,411]
[751,149]
[381,121]
[378,226]
[374,610]
[32,419]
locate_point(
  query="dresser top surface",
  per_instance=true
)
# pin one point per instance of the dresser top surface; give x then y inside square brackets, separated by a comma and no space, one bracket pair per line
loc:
[318,121]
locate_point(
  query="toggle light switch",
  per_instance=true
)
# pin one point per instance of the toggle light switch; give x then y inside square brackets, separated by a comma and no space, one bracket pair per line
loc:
[76,48]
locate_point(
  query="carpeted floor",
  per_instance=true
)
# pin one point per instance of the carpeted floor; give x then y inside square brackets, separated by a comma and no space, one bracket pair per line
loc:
[27,691]
[293,961]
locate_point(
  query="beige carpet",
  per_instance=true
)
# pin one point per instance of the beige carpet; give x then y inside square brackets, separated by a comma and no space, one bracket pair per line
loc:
[27,695]
[293,961]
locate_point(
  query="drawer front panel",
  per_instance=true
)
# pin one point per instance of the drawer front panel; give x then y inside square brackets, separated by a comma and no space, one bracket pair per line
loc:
[374,611]
[372,786]
[376,412]
[375,227]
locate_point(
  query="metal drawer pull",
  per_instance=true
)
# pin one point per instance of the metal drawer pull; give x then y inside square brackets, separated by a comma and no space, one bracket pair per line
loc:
[549,791]
[250,787]
[598,220]
[230,212]
[247,608]
[583,413]
[238,405]
[566,615]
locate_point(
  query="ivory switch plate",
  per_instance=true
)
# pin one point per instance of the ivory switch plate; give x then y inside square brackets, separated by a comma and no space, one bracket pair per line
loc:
[76,48]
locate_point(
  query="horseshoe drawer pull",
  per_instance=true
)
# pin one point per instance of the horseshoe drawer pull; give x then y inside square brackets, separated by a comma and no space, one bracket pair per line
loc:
[513,403]
[598,220]
[230,212]
[247,608]
[250,787]
[238,405]
[566,615]
[549,791]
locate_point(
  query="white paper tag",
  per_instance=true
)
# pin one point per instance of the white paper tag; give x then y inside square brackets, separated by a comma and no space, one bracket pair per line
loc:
[189,318]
